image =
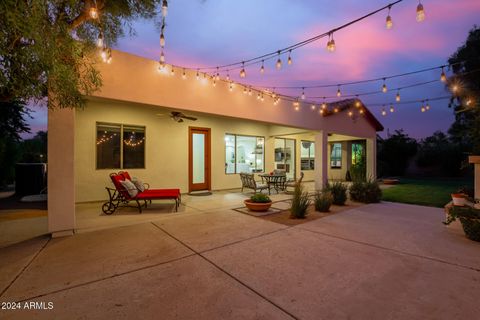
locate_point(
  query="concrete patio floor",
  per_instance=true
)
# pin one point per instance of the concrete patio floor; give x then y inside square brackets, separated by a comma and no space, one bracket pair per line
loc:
[379,261]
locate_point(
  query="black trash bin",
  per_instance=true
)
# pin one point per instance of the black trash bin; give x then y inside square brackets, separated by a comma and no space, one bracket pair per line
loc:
[30,178]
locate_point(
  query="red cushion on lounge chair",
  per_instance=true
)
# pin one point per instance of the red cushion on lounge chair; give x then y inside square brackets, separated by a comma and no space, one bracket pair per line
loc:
[159,194]
[116,181]
[125,174]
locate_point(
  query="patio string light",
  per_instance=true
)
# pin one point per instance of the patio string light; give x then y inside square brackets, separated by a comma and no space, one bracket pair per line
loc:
[331,45]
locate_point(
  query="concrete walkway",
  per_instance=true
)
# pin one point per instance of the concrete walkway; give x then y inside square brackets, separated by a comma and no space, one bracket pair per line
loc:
[382,261]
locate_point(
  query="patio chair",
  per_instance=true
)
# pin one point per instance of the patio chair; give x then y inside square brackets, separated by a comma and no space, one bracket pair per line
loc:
[292,183]
[248,181]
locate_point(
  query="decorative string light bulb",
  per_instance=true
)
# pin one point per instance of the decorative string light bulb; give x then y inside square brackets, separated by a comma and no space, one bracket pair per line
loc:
[321,111]
[296,104]
[389,21]
[230,87]
[392,109]
[331,47]
[422,108]
[245,90]
[100,40]
[358,104]
[339,93]
[214,82]
[384,113]
[335,110]
[397,97]
[262,68]
[258,96]
[261,97]
[313,107]
[443,76]
[361,111]
[184,75]
[162,57]
[420,12]
[93,12]
[250,91]
[197,75]
[278,65]
[228,76]
[350,113]
[384,87]
[172,71]
[243,74]
[162,40]
[427,107]
[164,8]
[324,104]
[290,57]
[303,94]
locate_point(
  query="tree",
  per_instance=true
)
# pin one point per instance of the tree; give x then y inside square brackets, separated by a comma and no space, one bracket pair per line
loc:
[49,46]
[394,153]
[465,87]
[12,124]
[438,151]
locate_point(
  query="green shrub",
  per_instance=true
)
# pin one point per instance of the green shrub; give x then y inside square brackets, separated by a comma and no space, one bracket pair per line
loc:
[260,198]
[323,201]
[365,191]
[339,192]
[300,203]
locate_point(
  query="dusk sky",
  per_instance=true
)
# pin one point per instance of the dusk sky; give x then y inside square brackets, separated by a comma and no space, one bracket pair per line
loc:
[214,32]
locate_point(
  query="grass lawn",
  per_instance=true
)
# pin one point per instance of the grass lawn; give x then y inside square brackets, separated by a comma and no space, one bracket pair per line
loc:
[425,192]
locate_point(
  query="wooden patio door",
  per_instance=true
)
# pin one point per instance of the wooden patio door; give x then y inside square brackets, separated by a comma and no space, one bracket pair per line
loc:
[199,159]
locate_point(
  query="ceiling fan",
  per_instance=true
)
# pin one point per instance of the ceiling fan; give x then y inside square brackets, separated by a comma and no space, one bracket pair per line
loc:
[179,116]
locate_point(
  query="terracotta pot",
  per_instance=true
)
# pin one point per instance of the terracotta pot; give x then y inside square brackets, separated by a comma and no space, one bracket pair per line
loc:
[390,181]
[257,206]
[458,199]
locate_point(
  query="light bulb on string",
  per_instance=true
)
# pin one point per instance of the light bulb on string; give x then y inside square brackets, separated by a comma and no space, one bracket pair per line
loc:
[258,96]
[420,12]
[262,68]
[162,57]
[245,90]
[313,107]
[296,104]
[100,40]
[427,107]
[230,87]
[243,74]
[389,21]
[397,97]
[384,113]
[250,91]
[339,93]
[228,75]
[358,104]
[331,47]
[172,71]
[184,75]
[278,65]
[443,76]
[162,40]
[93,12]
[350,113]
[217,75]
[335,110]
[164,8]
[392,109]
[303,94]
[422,108]
[214,82]
[321,111]
[261,97]
[290,57]
[361,111]
[384,87]
[198,75]
[324,104]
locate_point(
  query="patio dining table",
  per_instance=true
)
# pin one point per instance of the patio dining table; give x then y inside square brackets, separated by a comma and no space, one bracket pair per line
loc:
[277,181]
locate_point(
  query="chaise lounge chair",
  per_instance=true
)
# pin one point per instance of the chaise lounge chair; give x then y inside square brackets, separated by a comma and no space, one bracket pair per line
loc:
[121,195]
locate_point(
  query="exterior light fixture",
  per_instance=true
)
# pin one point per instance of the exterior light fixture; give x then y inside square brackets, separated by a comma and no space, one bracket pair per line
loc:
[243,74]
[384,113]
[420,12]
[162,40]
[392,109]
[303,94]
[164,8]
[262,68]
[278,65]
[384,87]
[290,57]
[443,76]
[389,21]
[313,107]
[339,93]
[397,97]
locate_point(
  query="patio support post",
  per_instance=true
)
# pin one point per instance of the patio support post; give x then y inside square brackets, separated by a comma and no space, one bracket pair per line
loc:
[61,173]
[321,159]
[371,158]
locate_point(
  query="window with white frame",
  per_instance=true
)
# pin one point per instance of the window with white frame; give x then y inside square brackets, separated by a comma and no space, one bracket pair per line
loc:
[120,146]
[244,154]
[307,155]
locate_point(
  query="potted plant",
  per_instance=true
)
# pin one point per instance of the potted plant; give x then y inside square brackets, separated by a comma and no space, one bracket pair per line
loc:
[258,202]
[470,219]
[459,199]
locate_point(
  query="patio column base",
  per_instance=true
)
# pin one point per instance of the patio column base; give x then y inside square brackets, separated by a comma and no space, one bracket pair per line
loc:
[60,234]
